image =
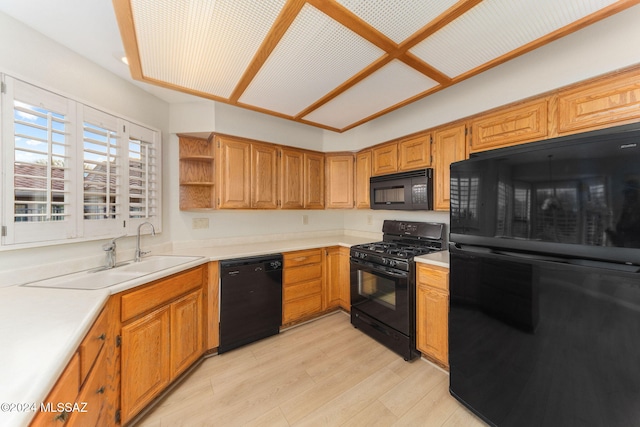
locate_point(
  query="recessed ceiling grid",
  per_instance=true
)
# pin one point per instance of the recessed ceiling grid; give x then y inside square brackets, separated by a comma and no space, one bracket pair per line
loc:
[385,88]
[201,45]
[496,27]
[397,19]
[315,55]
[336,63]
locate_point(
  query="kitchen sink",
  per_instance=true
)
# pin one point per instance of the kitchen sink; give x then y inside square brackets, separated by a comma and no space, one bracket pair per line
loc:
[103,278]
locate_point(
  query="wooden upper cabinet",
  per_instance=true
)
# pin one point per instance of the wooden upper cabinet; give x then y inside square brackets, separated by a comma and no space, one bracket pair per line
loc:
[291,178]
[363,173]
[384,159]
[197,182]
[264,176]
[234,173]
[313,180]
[339,177]
[448,146]
[510,126]
[608,101]
[414,152]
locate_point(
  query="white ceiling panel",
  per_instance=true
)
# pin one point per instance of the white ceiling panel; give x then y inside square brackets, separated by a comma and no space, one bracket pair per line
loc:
[496,27]
[388,86]
[201,45]
[315,56]
[397,19]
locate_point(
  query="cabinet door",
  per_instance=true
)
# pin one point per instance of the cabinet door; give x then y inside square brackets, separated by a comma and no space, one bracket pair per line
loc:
[234,173]
[385,159]
[313,180]
[363,173]
[339,177]
[514,125]
[65,390]
[432,314]
[145,361]
[332,278]
[264,176]
[414,153]
[448,146]
[337,276]
[613,100]
[93,393]
[186,332]
[291,179]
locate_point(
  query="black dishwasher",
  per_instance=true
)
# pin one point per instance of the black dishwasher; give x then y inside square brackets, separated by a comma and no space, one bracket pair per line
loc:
[250,300]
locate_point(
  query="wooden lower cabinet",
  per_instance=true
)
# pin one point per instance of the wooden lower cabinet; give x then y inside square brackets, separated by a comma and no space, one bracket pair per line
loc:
[65,390]
[89,379]
[145,361]
[162,335]
[337,286]
[302,285]
[186,324]
[432,313]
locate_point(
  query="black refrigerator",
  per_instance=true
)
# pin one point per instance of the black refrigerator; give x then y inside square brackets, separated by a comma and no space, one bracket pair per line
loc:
[544,321]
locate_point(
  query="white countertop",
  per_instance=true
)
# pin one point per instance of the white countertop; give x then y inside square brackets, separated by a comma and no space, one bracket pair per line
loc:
[441,259]
[41,328]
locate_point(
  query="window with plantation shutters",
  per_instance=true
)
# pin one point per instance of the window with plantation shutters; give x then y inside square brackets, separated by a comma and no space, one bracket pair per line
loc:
[102,177]
[71,171]
[143,173]
[39,164]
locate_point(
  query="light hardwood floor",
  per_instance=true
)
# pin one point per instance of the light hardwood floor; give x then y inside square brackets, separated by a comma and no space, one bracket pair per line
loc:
[323,373]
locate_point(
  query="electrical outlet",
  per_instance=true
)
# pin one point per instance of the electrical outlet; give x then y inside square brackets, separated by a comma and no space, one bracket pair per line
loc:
[199,223]
[305,219]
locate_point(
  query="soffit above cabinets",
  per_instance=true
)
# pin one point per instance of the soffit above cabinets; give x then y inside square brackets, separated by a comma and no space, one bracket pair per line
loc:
[336,64]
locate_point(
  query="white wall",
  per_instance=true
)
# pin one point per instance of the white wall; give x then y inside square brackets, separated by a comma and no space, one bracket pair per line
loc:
[607,45]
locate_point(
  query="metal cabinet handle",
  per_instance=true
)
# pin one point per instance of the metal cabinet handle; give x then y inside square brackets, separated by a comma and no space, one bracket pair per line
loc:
[100,390]
[102,337]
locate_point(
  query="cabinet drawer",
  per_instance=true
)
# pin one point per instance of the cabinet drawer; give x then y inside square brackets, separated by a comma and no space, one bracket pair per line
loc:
[92,344]
[298,258]
[302,274]
[436,277]
[93,393]
[301,308]
[65,390]
[159,293]
[301,290]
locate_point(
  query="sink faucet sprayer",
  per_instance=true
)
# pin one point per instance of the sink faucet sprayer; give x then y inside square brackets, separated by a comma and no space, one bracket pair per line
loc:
[139,252]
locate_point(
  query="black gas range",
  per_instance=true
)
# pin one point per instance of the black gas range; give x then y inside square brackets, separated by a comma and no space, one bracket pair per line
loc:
[383,282]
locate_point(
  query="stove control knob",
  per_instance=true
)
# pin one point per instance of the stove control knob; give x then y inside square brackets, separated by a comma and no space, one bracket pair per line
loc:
[385,261]
[392,263]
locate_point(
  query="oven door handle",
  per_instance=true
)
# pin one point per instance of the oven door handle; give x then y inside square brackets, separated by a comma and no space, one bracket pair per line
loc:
[372,268]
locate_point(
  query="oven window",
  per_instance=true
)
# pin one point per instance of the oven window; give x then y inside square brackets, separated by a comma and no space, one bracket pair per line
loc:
[378,289]
[388,195]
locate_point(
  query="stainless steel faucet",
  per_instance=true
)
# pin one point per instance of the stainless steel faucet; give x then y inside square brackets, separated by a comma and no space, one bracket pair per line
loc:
[110,249]
[139,252]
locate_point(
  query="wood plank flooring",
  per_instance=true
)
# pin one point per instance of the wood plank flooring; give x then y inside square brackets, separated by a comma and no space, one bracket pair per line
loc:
[323,373]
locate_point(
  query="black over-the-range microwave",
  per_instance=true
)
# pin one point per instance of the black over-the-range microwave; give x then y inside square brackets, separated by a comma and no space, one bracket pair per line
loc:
[406,190]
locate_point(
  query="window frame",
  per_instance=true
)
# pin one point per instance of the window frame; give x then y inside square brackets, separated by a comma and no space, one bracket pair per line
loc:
[16,234]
